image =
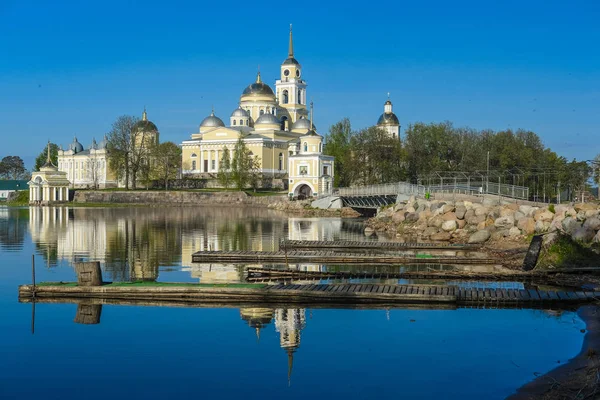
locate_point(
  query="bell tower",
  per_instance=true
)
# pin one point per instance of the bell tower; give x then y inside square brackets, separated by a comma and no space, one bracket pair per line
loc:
[290,87]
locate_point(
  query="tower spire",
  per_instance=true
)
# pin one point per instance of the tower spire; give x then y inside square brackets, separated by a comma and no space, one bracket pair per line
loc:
[48,160]
[290,365]
[258,80]
[144,115]
[291,47]
[311,115]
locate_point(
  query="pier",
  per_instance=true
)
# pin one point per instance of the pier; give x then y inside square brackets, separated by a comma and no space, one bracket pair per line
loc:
[365,245]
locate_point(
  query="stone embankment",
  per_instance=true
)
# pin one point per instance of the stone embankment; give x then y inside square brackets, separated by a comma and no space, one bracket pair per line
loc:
[303,207]
[174,198]
[468,222]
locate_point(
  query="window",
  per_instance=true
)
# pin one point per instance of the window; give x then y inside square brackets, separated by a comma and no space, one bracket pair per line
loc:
[194,155]
[305,147]
[326,170]
[213,164]
[234,122]
[283,122]
[303,170]
[262,112]
[320,147]
[194,165]
[247,122]
[285,97]
[241,122]
[299,96]
[280,161]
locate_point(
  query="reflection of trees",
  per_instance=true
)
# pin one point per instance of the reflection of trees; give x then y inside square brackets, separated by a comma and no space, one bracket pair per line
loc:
[13,225]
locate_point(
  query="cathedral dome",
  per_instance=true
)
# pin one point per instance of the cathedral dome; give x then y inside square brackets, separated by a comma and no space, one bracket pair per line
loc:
[258,88]
[145,126]
[103,143]
[267,119]
[239,113]
[388,119]
[76,146]
[291,61]
[211,121]
[302,123]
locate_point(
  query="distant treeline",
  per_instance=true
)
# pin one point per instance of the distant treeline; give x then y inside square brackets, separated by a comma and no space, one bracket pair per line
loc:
[370,156]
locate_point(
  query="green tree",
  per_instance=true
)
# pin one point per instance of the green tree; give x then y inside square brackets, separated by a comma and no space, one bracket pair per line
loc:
[241,165]
[165,161]
[13,167]
[337,144]
[43,156]
[254,175]
[224,174]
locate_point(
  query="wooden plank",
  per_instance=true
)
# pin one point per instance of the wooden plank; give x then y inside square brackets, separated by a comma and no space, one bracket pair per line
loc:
[581,295]
[553,296]
[543,295]
[534,294]
[563,296]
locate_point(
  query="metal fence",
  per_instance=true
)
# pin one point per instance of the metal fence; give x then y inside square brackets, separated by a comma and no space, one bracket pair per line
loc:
[383,190]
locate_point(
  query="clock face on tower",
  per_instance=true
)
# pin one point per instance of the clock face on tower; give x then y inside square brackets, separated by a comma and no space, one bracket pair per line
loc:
[286,72]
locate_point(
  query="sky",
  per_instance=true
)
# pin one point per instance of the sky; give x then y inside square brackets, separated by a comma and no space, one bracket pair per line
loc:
[70,68]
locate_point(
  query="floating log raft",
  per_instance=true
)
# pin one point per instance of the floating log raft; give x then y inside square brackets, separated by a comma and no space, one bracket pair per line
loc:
[329,257]
[307,294]
[388,246]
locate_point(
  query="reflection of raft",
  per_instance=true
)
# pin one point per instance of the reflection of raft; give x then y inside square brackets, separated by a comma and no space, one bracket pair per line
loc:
[328,257]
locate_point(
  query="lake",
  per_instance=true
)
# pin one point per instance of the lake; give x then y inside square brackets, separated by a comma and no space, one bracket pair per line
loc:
[161,352]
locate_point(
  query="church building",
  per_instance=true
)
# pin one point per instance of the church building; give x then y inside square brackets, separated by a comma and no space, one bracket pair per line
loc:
[275,127]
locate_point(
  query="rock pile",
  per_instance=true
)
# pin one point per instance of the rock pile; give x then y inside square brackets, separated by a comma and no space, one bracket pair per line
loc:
[468,222]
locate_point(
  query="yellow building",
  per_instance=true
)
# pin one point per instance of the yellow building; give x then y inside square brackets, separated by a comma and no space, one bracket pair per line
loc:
[274,126]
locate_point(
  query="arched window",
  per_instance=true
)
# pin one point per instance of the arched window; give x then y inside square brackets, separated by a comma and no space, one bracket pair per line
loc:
[234,121]
[262,112]
[280,161]
[194,165]
[305,147]
[285,97]
[247,122]
[194,155]
[283,121]
[299,96]
[241,122]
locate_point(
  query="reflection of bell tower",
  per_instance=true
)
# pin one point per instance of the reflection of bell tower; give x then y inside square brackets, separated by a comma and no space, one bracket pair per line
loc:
[257,318]
[289,323]
[291,88]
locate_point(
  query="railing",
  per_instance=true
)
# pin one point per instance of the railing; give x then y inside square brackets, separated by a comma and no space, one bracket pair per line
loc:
[384,189]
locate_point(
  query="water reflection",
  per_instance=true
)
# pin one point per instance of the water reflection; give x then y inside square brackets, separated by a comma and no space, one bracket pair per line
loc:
[13,226]
[136,243]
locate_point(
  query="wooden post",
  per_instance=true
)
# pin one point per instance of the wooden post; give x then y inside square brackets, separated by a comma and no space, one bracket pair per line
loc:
[88,273]
[33,274]
[88,314]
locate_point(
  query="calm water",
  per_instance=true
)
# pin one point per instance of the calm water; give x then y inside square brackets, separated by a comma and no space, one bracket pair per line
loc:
[159,352]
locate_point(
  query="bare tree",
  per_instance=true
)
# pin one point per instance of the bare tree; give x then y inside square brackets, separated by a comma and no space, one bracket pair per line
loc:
[93,170]
[121,147]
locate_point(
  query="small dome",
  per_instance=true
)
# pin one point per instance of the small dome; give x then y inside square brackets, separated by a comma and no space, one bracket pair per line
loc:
[267,118]
[302,123]
[388,119]
[239,113]
[76,146]
[211,121]
[94,145]
[145,126]
[258,88]
[388,103]
[103,143]
[291,61]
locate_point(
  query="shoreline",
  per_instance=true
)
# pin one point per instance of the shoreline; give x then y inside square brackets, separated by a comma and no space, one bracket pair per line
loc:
[576,377]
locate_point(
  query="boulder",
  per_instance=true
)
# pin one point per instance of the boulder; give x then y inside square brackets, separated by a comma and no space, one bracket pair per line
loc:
[585,207]
[448,208]
[514,231]
[513,206]
[543,215]
[481,226]
[461,223]
[468,205]
[449,226]
[369,231]
[481,211]
[410,209]
[519,215]
[592,223]
[398,217]
[425,214]
[468,215]
[430,231]
[570,225]
[555,225]
[526,210]
[441,236]
[460,212]
[597,238]
[479,237]
[505,222]
[449,216]
[507,212]
[527,225]
[412,217]
[436,221]
[499,234]
[591,213]
[542,226]
[583,234]
[399,206]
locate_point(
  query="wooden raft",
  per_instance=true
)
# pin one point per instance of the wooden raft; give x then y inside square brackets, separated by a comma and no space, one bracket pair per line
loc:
[389,246]
[312,294]
[296,256]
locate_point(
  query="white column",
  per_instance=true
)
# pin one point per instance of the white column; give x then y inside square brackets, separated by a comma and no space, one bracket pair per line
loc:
[60,192]
[209,161]
[217,160]
[67,193]
[201,160]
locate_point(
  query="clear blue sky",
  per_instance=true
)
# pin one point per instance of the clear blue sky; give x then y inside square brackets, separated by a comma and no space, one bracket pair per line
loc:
[71,67]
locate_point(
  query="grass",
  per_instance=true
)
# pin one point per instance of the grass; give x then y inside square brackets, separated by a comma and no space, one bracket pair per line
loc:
[21,200]
[567,253]
[163,284]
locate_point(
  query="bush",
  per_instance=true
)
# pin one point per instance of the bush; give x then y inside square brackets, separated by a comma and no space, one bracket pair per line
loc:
[551,209]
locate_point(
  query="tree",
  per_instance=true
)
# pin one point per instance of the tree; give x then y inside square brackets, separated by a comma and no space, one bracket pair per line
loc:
[241,164]
[254,175]
[120,147]
[337,144]
[43,156]
[165,161]
[92,167]
[142,141]
[12,167]
[224,174]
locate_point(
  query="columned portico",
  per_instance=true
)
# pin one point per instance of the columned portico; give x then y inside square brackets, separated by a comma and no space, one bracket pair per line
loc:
[48,185]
